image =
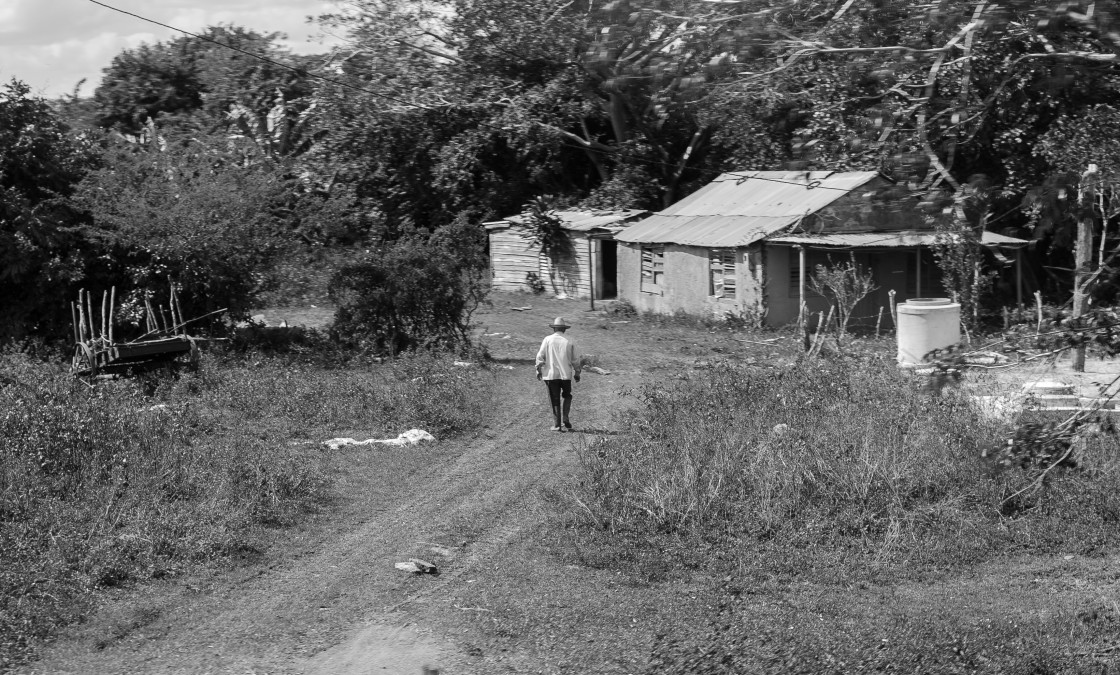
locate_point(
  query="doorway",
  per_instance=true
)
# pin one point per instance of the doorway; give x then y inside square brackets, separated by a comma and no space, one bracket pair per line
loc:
[607,270]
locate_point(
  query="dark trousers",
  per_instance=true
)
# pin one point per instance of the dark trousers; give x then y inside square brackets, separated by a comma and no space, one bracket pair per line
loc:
[557,390]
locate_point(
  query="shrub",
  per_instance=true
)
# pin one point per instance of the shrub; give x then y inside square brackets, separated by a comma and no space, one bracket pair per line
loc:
[844,284]
[40,253]
[622,309]
[415,292]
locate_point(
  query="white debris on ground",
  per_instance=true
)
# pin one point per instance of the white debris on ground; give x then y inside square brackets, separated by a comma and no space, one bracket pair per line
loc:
[410,437]
[463,364]
[598,370]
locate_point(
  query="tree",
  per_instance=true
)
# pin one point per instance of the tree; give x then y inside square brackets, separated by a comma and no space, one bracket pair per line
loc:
[418,291]
[599,112]
[1080,195]
[182,209]
[41,253]
[197,81]
[958,247]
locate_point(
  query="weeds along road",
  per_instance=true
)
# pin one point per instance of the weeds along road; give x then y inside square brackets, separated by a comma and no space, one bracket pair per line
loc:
[332,602]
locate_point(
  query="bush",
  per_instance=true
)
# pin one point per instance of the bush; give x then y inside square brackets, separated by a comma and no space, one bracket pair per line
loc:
[415,292]
[40,253]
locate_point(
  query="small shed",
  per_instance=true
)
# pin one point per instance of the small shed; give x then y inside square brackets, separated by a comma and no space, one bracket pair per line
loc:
[745,243]
[587,268]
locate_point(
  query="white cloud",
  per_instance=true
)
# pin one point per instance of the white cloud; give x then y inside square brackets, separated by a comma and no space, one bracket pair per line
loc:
[52,55]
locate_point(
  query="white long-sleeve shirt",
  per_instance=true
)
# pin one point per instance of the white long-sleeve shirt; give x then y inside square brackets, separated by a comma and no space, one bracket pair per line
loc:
[556,359]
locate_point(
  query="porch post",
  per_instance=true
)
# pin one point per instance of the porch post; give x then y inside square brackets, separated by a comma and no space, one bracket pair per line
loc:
[801,286]
[918,269]
[592,270]
[1019,278]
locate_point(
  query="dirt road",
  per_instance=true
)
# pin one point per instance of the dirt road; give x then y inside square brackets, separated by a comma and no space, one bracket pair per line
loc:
[333,602]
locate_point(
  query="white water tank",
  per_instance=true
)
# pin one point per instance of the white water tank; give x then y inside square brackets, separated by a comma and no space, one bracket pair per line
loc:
[926,324]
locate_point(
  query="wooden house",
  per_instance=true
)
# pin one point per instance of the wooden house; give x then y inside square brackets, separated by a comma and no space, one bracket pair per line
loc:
[586,267]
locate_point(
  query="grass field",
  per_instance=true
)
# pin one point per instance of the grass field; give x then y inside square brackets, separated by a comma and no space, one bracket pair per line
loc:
[134,480]
[724,507]
[848,522]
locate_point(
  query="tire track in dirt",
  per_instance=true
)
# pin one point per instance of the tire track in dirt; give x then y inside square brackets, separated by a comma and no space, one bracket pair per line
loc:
[336,610]
[527,456]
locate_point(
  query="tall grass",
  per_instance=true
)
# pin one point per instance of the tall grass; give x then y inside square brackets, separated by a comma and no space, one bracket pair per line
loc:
[822,453]
[133,480]
[803,495]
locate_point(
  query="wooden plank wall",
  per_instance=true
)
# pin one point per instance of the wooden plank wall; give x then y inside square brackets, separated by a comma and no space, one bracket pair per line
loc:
[513,257]
[573,273]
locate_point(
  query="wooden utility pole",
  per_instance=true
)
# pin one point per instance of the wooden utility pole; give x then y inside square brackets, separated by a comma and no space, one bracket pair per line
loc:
[802,318]
[1083,258]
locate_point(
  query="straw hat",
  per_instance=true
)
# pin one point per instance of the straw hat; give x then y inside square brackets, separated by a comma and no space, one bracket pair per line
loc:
[559,322]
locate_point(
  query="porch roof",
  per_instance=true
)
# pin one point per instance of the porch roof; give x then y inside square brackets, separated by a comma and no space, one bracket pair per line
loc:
[899,239]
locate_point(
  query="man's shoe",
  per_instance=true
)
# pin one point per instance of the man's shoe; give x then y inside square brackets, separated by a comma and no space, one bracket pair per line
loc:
[555,429]
[567,425]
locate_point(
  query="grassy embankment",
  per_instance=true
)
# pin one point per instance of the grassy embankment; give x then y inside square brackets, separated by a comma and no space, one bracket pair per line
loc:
[842,518]
[139,479]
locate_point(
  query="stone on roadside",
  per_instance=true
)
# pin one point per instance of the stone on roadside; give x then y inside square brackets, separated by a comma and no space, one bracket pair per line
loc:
[417,566]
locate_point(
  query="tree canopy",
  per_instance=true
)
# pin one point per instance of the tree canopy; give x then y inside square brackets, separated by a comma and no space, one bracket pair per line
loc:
[40,164]
[436,112]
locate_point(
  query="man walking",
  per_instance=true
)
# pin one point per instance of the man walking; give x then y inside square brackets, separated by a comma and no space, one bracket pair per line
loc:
[557,365]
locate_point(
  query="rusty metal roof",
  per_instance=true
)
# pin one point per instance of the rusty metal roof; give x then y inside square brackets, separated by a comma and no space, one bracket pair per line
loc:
[742,207]
[886,239]
[579,221]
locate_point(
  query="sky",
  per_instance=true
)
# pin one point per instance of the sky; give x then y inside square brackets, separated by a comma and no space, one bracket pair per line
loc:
[53,44]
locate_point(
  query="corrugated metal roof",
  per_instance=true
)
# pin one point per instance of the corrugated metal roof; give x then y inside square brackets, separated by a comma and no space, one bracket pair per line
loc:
[886,239]
[579,221]
[739,208]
